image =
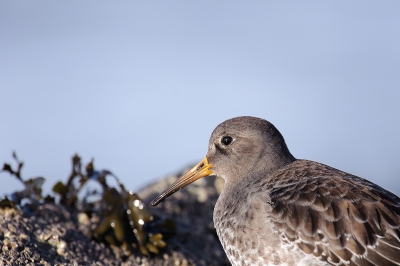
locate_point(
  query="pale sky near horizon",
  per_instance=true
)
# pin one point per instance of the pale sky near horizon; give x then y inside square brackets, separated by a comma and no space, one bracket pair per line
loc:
[140,85]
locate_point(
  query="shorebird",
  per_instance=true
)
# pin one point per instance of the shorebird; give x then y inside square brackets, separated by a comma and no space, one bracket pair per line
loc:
[275,209]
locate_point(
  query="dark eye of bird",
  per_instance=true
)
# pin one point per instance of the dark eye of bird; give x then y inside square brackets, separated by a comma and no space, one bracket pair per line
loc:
[226,140]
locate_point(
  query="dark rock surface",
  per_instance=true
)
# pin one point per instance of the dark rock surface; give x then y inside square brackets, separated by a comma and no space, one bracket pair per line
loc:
[49,234]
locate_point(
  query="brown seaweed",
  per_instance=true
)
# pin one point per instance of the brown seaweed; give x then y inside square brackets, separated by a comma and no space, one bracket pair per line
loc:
[32,187]
[124,219]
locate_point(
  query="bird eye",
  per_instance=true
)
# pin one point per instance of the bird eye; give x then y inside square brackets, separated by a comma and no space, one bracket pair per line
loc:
[226,140]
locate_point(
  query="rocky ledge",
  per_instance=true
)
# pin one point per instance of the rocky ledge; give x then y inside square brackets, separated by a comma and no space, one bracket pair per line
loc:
[49,234]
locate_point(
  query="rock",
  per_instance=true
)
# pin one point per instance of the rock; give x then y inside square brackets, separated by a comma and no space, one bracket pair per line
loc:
[49,234]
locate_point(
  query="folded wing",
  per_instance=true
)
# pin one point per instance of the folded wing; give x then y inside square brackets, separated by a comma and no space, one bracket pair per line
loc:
[340,219]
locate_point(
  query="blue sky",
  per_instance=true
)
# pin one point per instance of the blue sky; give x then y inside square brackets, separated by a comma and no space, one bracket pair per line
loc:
[140,85]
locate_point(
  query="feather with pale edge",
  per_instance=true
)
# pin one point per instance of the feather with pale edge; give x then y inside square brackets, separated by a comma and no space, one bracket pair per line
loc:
[337,217]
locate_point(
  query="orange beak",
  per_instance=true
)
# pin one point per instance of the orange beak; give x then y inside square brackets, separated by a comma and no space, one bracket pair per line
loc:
[200,170]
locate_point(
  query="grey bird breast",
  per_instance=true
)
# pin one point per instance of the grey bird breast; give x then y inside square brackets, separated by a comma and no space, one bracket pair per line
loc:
[277,210]
[325,217]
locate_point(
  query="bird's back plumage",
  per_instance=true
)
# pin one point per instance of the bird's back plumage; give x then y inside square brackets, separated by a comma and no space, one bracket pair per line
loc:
[311,214]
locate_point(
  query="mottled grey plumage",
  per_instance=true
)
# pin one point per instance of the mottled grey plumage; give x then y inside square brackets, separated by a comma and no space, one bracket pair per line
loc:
[276,210]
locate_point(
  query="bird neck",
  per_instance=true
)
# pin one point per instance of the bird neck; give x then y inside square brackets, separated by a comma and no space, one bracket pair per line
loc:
[256,170]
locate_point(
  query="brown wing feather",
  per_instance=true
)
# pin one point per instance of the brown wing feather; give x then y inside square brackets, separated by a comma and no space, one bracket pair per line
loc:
[337,217]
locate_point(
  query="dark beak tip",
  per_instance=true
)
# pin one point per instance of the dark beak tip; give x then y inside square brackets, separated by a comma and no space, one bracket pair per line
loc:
[157,200]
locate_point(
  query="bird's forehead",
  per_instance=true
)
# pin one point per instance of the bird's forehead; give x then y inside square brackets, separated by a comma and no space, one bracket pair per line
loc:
[240,126]
[223,130]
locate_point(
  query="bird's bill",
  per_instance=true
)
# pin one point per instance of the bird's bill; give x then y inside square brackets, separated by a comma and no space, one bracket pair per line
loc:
[200,170]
